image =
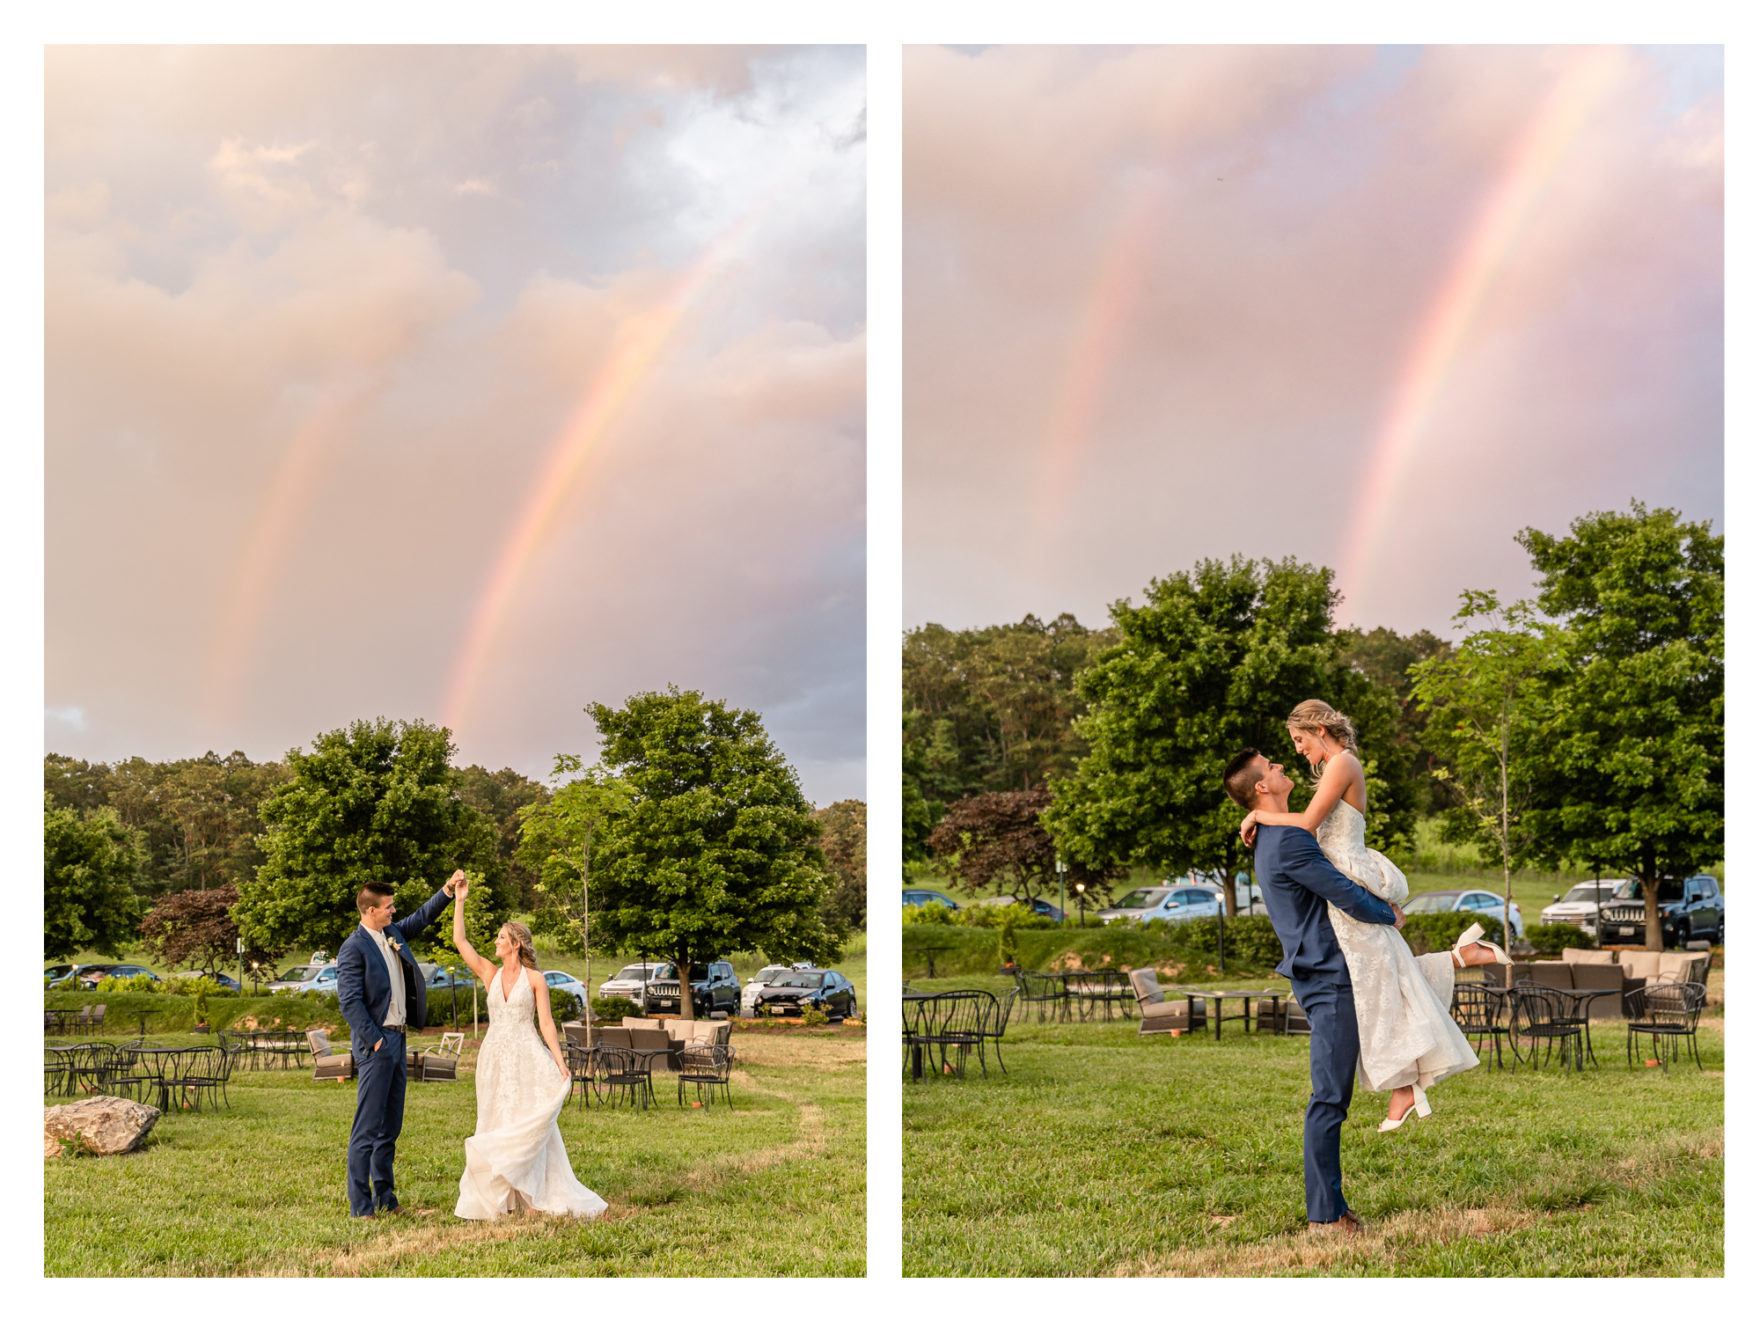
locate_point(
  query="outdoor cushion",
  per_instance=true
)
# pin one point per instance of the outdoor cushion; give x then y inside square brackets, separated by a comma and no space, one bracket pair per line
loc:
[649,1024]
[679,1029]
[1641,963]
[1673,968]
[1609,956]
[1146,986]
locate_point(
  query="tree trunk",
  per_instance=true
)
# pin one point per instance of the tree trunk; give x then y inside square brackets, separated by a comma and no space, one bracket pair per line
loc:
[687,1008]
[1652,911]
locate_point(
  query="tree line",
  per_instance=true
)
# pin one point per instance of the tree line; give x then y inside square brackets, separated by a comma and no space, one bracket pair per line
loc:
[699,840]
[1583,727]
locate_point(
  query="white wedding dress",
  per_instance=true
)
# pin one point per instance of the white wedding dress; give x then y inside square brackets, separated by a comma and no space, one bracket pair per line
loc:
[516,1160]
[1405,1032]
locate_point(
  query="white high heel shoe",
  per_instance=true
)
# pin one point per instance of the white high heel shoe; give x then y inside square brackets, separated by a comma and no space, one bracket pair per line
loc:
[1471,935]
[1420,1107]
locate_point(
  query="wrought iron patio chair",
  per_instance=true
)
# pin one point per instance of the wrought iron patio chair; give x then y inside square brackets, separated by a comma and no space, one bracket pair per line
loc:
[1097,991]
[705,1065]
[1478,1012]
[992,1025]
[954,1021]
[579,1059]
[125,1074]
[1541,1016]
[1670,1011]
[618,1073]
[1045,993]
[57,1070]
[205,1076]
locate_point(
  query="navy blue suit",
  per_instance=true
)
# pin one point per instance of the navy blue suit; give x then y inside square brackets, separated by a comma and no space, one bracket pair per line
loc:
[363,988]
[1298,882]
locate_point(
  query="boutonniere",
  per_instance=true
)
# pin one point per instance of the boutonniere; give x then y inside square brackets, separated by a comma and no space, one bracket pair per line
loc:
[392,941]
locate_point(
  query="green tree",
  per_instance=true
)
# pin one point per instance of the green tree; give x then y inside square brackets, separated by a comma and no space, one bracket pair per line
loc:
[1488,702]
[371,802]
[1211,662]
[90,862]
[503,796]
[843,838]
[195,926]
[717,851]
[1385,658]
[556,842]
[1635,743]
[918,816]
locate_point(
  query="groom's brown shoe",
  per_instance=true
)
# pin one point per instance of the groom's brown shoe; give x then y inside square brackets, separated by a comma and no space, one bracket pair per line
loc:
[1347,1223]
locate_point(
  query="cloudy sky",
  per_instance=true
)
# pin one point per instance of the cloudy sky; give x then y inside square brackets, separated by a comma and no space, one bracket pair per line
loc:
[469,385]
[1376,309]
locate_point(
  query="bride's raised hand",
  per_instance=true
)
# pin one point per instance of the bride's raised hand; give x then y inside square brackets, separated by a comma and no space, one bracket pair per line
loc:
[1249,827]
[460,885]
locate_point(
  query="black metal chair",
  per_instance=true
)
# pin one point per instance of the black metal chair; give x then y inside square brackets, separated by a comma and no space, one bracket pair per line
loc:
[619,1072]
[57,1070]
[125,1074]
[954,1021]
[991,1027]
[579,1058]
[206,1075]
[706,1066]
[1045,993]
[1540,1015]
[1671,1011]
[1478,1012]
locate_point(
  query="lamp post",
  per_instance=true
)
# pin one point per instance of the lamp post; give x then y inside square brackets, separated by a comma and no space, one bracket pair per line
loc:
[1082,902]
[1062,891]
[254,978]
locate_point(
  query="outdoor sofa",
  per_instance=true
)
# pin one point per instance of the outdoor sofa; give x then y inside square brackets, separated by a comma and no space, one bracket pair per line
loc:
[1621,970]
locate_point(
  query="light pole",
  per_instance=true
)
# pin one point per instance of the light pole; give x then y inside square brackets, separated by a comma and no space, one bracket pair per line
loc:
[1082,902]
[1062,891]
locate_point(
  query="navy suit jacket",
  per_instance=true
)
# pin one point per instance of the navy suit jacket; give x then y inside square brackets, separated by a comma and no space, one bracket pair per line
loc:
[1298,882]
[363,983]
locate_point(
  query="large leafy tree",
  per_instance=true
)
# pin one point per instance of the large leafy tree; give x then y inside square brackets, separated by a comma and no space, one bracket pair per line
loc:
[1386,658]
[1211,662]
[374,801]
[996,841]
[843,838]
[718,849]
[504,796]
[194,927]
[90,861]
[1634,756]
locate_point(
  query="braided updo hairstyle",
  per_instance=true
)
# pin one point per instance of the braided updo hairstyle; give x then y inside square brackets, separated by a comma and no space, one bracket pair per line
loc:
[521,935]
[1315,716]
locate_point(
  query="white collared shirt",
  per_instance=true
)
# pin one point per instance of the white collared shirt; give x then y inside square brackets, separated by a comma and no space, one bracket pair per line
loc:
[396,1016]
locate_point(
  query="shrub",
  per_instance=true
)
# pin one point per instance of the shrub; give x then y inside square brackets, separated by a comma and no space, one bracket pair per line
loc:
[614,1010]
[992,915]
[130,985]
[1550,941]
[563,1006]
[929,914]
[1431,932]
[812,1017]
[1007,947]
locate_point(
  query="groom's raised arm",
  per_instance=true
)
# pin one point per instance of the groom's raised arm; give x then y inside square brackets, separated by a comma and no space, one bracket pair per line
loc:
[1304,863]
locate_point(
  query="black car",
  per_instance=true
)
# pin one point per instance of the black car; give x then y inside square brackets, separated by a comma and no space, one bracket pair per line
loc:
[1691,909]
[714,989]
[829,992]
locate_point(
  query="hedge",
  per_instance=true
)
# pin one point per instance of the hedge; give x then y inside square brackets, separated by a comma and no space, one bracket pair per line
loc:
[1550,941]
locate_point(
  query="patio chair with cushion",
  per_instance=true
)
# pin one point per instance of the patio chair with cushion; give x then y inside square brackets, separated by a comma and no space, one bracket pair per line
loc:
[1284,1018]
[1670,1011]
[706,1065]
[330,1066]
[1156,1013]
[98,1017]
[439,1063]
[83,1024]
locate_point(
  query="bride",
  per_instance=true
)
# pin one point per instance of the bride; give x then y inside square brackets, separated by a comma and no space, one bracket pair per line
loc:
[516,1161]
[1408,1039]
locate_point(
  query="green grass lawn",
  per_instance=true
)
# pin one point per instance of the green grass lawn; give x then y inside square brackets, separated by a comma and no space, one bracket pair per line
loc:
[775,1186]
[1105,1153]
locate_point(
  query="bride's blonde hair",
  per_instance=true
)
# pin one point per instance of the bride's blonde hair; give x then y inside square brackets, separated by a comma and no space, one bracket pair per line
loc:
[1315,716]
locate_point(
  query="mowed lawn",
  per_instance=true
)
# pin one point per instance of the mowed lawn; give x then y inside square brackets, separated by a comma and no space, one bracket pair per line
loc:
[1105,1153]
[775,1186]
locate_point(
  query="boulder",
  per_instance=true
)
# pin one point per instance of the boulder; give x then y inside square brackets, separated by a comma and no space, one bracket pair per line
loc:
[102,1125]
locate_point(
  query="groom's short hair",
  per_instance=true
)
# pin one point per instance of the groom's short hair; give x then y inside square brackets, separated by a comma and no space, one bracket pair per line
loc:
[373,894]
[1240,781]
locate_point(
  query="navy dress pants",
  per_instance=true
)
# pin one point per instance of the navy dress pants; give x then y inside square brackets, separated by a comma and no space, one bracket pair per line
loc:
[1332,1071]
[378,1118]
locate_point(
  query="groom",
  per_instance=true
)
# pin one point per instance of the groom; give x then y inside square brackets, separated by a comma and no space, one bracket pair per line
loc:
[1298,882]
[382,997]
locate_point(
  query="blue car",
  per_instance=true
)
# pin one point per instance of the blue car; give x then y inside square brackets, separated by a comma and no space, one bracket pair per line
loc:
[928,897]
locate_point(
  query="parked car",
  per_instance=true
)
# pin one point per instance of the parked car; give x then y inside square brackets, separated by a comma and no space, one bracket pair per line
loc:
[715,989]
[563,981]
[59,976]
[295,979]
[1480,902]
[926,897]
[1040,908]
[1578,905]
[791,994]
[1247,896]
[1691,909]
[748,995]
[631,983]
[85,976]
[1165,903]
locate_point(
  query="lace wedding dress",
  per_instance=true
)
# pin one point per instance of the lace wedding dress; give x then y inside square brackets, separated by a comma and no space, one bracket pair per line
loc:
[1405,1032]
[516,1160]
